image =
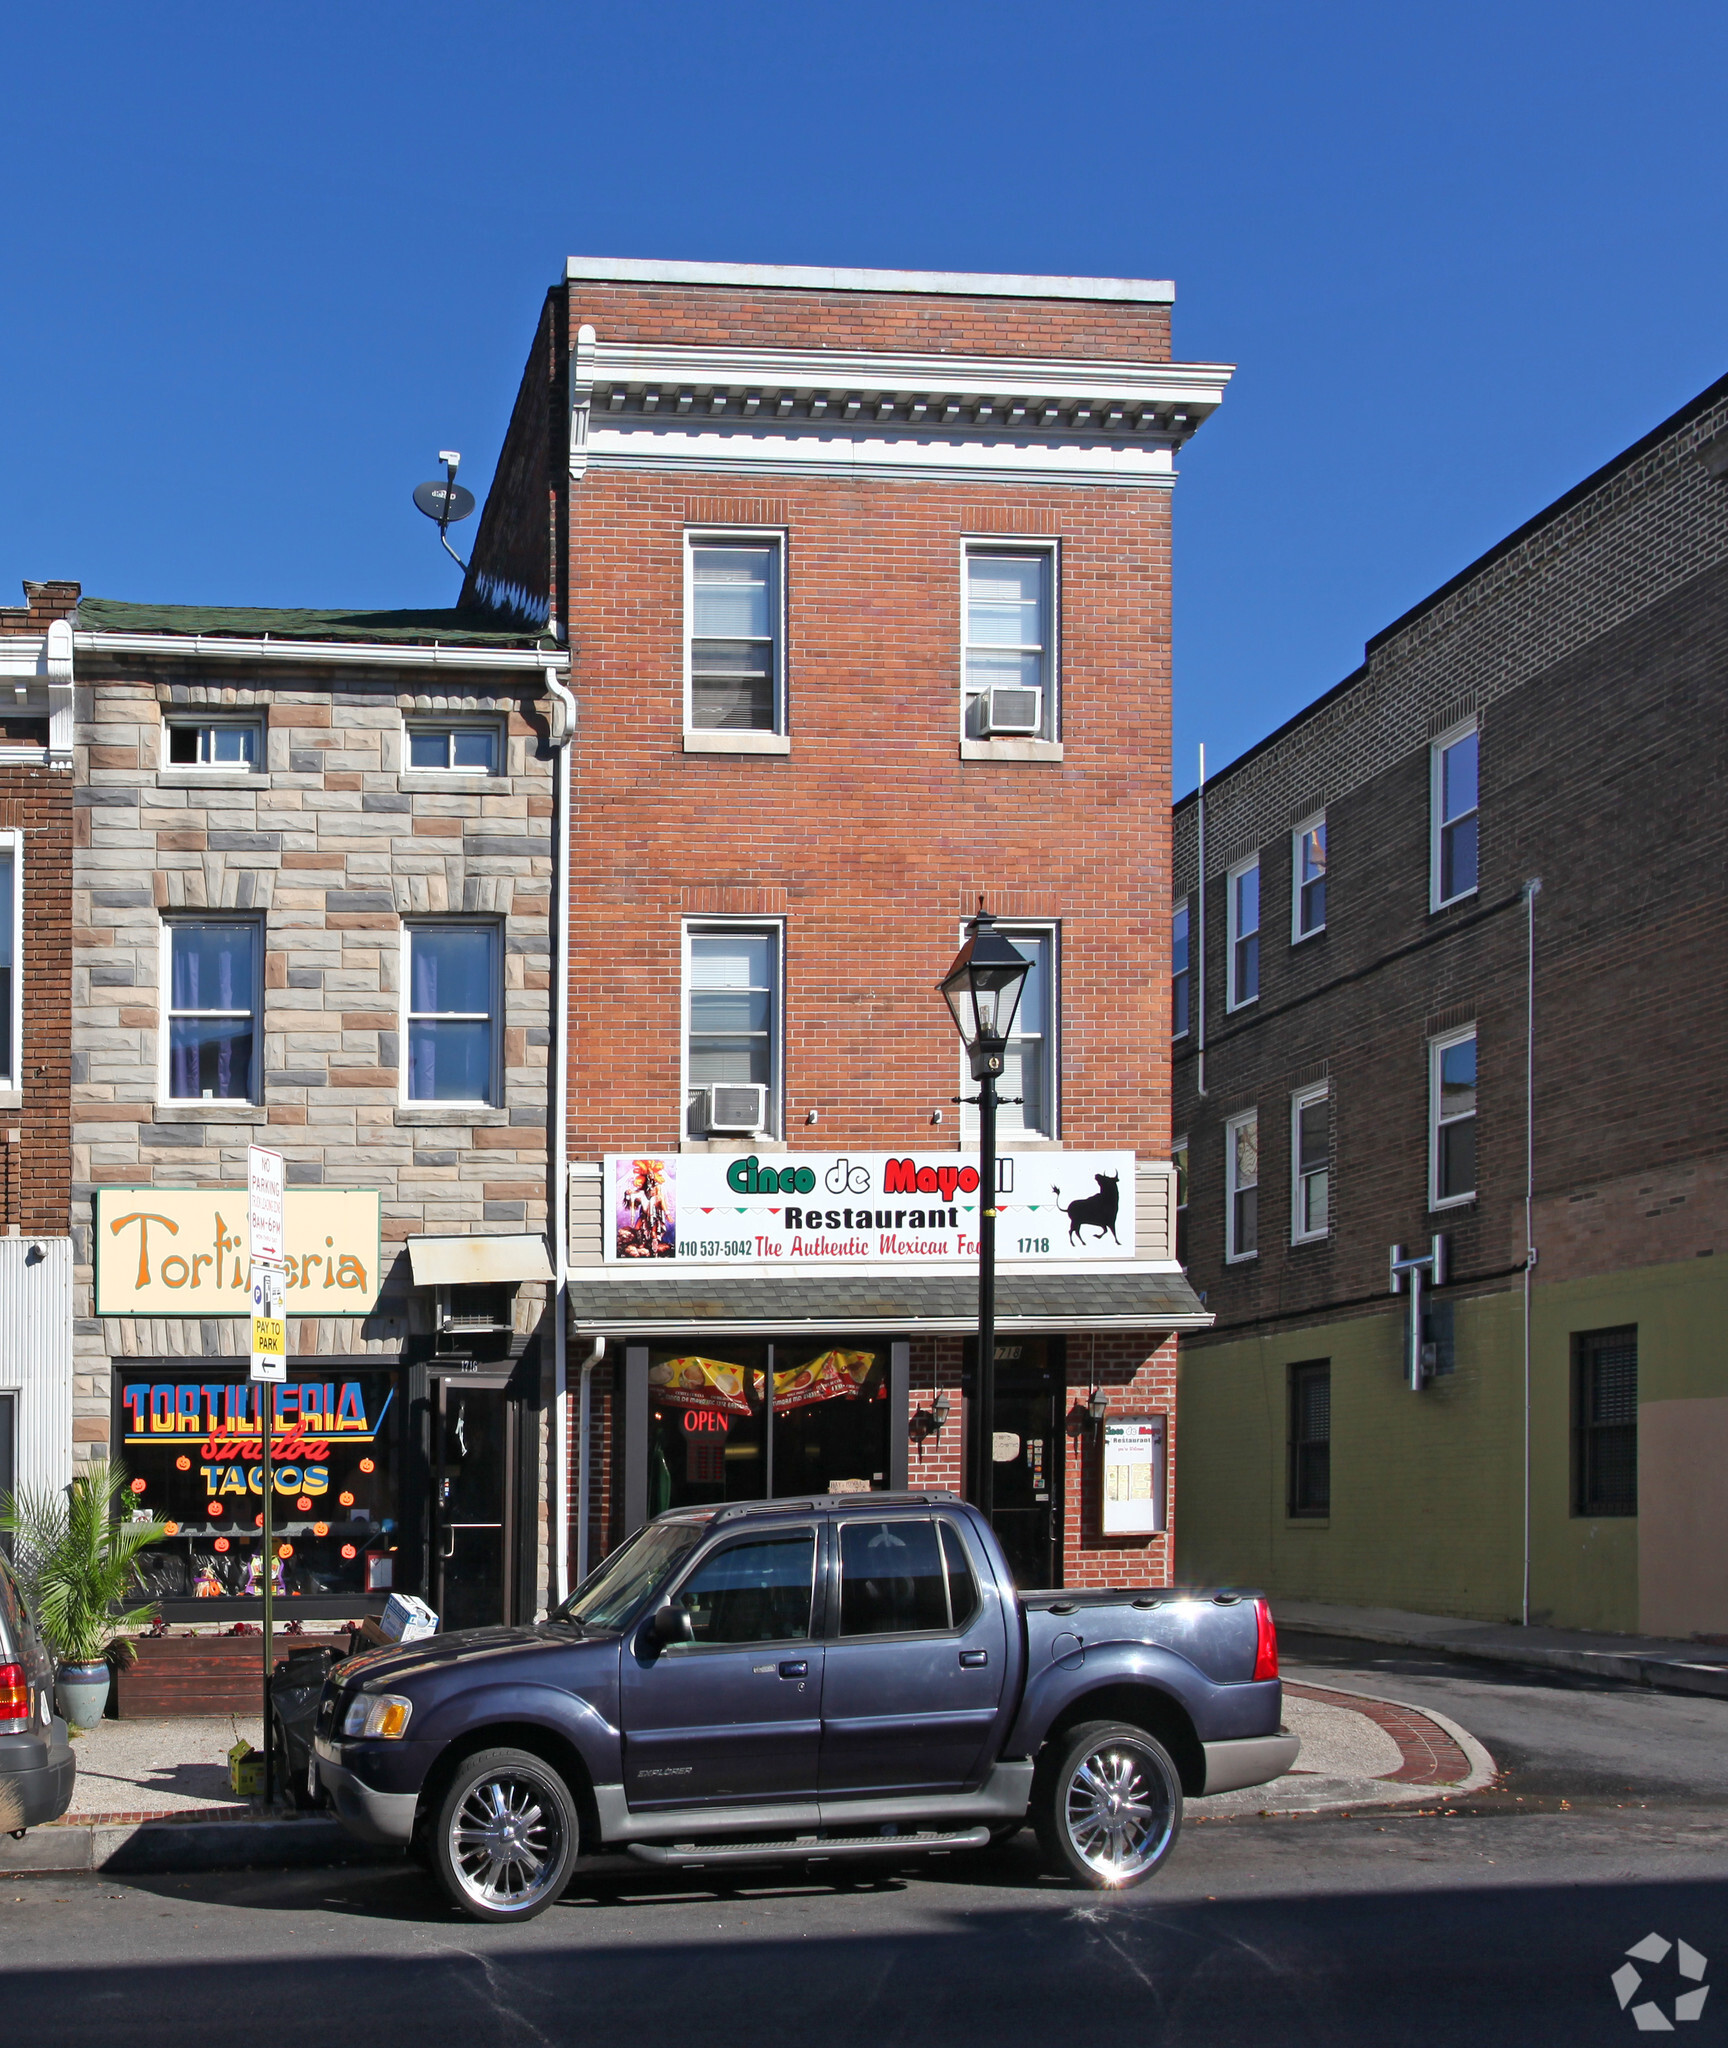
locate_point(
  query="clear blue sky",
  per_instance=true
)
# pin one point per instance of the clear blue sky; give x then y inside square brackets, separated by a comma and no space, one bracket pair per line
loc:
[262,262]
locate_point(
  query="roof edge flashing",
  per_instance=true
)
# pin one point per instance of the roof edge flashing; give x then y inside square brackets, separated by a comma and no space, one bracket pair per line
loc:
[810,277]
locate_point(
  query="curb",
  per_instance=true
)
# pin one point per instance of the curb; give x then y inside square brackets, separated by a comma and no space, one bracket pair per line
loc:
[1483,1769]
[1631,1667]
[157,1846]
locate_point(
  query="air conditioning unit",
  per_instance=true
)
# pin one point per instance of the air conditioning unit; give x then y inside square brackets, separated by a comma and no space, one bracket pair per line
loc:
[1014,708]
[740,1106]
[474,1311]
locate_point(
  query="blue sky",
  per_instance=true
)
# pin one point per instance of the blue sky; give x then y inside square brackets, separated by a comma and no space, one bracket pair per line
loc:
[263,262]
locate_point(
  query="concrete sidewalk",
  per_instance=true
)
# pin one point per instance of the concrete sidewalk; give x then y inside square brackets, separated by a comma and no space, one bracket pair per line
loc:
[1664,1665]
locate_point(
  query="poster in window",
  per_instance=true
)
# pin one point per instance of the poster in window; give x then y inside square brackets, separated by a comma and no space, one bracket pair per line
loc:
[1133,1488]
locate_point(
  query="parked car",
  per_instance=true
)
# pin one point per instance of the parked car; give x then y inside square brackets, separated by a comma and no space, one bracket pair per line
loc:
[847,1677]
[37,1767]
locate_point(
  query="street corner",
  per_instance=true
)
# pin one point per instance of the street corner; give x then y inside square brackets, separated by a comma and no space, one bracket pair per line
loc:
[1359,1750]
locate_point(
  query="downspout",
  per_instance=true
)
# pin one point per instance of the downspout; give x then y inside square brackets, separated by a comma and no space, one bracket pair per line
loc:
[1198,942]
[1532,889]
[562,729]
[583,1460]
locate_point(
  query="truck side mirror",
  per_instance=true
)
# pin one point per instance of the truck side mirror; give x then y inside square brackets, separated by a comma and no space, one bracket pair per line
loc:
[671,1624]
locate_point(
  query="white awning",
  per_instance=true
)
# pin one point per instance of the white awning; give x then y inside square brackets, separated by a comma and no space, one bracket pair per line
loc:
[477,1261]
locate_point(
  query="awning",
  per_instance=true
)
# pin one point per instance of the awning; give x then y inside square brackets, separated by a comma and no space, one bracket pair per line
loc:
[477,1261]
[637,1304]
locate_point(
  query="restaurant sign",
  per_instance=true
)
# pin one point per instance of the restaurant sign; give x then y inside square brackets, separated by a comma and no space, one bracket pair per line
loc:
[183,1252]
[857,1209]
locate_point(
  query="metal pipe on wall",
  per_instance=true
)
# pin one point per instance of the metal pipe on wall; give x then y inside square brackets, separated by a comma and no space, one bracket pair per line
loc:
[1197,941]
[1532,889]
[561,733]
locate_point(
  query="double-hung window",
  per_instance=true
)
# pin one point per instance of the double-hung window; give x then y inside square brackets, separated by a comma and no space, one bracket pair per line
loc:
[1310,1439]
[1242,1186]
[452,1009]
[1452,852]
[212,1024]
[1243,894]
[11,959]
[1310,1163]
[1308,878]
[732,1043]
[1009,689]
[733,634]
[453,747]
[1030,1061]
[1181,976]
[1452,1118]
[234,744]
[1605,1422]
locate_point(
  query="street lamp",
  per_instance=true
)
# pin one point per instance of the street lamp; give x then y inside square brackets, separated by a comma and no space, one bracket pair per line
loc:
[983,990]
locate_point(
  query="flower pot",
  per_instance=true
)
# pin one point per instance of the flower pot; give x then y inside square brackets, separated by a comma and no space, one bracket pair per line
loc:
[81,1692]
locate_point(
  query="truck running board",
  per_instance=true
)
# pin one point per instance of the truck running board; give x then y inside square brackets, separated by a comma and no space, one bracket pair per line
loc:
[806,1848]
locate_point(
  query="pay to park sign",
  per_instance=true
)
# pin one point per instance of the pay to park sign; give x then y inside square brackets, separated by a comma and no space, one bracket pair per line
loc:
[857,1209]
[185,1252]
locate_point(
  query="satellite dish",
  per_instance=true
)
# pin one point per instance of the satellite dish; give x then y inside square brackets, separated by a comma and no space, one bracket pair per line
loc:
[444,503]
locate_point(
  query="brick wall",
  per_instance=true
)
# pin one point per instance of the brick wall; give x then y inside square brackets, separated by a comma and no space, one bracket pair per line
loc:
[37,1160]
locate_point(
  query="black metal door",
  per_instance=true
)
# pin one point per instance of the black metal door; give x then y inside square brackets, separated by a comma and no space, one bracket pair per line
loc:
[473,1500]
[1028,1444]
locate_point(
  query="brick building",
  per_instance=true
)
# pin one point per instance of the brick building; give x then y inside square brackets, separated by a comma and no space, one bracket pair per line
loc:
[865,578]
[1385,1038]
[312,876]
[35,998]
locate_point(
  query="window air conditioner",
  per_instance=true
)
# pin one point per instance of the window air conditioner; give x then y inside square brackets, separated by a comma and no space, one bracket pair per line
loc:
[740,1106]
[1014,708]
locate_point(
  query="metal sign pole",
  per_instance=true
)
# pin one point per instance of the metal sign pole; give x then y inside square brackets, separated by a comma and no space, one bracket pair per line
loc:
[266,1201]
[267,1404]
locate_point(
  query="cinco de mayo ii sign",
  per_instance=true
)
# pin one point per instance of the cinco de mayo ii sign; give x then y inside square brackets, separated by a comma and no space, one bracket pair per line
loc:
[855,1209]
[183,1252]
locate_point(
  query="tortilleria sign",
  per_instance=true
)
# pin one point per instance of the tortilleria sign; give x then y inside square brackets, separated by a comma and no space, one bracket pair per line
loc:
[183,1252]
[858,1209]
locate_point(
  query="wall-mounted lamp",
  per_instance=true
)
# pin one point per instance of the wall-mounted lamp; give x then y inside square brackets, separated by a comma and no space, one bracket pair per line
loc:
[940,1410]
[1097,1405]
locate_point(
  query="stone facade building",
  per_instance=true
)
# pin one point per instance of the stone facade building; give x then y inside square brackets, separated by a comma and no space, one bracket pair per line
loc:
[1385,1038]
[312,906]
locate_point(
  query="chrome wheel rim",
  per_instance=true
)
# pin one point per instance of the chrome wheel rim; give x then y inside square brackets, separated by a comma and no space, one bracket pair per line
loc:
[1118,1812]
[506,1843]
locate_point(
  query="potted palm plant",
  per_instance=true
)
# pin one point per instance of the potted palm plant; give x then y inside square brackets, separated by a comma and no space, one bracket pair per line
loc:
[77,1564]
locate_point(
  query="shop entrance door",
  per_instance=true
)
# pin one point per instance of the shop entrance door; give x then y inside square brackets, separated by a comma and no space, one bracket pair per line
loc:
[473,1500]
[1029,1459]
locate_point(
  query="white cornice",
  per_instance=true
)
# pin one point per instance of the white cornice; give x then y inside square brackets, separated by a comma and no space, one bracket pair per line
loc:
[810,278]
[370,653]
[927,458]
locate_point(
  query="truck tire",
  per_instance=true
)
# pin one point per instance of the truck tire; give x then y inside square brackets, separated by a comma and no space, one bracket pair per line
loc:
[1107,1805]
[506,1836]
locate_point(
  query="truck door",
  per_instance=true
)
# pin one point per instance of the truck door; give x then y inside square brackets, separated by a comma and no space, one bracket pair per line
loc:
[916,1660]
[734,1716]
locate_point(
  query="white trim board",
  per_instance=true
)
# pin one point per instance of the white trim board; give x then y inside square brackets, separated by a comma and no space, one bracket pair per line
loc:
[816,278]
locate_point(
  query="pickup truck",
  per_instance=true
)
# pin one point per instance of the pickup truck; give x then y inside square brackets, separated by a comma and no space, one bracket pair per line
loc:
[844,1677]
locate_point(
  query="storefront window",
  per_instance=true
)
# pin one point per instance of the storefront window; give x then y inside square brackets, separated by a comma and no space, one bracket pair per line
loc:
[758,1421]
[194,1453]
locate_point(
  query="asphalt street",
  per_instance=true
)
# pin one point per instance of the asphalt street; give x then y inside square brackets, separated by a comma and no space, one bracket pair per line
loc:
[1500,1922]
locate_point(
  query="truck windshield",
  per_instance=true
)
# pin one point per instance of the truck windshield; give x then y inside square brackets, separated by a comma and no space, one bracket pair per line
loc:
[631,1575]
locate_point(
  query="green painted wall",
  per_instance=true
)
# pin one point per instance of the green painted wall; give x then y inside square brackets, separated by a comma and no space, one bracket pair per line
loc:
[1427,1489]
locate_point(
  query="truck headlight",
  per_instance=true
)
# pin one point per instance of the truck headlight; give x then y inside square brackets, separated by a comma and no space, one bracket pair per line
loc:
[381,1714]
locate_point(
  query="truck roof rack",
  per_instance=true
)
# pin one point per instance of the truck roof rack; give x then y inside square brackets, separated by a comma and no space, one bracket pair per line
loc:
[827,1502]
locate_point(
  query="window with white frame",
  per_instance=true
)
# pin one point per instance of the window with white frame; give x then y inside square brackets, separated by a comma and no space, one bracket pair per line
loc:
[233,745]
[1452,855]
[733,633]
[1179,1160]
[1452,1118]
[1181,977]
[1009,689]
[1242,1186]
[1310,1163]
[1308,878]
[212,980]
[11,958]
[1243,896]
[452,999]
[732,1030]
[448,746]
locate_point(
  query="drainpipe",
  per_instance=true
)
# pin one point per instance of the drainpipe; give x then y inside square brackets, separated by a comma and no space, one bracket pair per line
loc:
[583,1460]
[1532,889]
[562,728]
[1197,945]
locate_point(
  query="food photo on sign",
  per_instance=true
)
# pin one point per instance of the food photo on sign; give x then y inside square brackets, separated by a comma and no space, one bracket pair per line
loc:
[196,1449]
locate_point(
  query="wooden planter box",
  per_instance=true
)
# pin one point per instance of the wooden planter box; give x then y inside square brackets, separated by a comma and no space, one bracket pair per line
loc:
[174,1676]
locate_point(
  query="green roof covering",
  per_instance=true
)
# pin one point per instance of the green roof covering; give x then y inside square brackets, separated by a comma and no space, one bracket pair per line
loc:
[451,628]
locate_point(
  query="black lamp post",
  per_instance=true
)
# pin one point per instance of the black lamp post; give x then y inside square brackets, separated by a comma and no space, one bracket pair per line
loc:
[983,989]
